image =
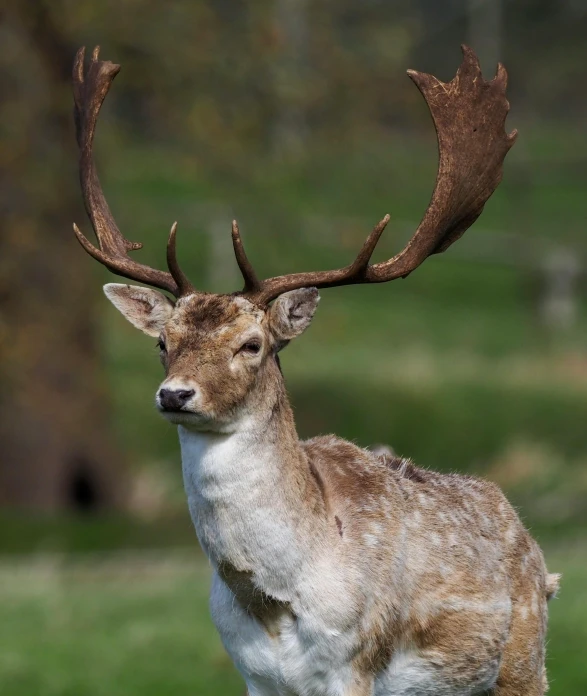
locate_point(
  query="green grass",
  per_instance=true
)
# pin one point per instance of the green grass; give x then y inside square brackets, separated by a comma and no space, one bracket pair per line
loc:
[138,625]
[25,532]
[567,636]
[135,625]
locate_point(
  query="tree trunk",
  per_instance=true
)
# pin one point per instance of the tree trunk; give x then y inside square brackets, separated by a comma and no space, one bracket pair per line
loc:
[56,449]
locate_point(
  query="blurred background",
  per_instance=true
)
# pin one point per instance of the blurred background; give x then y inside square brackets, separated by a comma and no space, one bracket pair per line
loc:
[296,117]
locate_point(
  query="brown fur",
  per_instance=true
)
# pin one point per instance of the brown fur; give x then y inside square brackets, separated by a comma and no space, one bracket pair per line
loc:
[440,562]
[202,352]
[479,537]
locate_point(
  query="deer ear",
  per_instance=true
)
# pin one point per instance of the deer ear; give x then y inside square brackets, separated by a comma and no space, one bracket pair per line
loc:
[291,313]
[146,309]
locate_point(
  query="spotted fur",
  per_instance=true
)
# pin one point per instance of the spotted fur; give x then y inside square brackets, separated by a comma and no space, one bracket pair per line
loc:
[339,571]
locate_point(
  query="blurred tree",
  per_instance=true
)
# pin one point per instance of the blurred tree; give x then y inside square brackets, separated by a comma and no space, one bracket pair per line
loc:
[290,69]
[222,86]
[56,447]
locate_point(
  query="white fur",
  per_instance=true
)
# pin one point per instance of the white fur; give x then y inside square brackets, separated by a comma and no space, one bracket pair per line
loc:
[235,517]
[241,516]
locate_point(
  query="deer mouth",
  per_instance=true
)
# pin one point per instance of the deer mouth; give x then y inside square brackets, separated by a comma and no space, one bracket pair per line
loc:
[184,417]
[178,407]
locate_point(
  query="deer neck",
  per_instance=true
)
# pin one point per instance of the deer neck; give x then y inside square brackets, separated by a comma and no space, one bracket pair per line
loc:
[253,499]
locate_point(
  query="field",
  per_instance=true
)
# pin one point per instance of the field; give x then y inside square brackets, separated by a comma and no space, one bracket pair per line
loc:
[137,624]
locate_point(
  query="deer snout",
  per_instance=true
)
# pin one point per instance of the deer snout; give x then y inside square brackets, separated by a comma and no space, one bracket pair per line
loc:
[173,399]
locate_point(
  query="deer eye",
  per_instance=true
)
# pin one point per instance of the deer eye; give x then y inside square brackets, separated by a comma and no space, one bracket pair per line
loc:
[250,347]
[161,345]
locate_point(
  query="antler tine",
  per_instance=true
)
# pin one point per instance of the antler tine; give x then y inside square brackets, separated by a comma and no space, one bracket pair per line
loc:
[183,284]
[252,283]
[358,269]
[469,116]
[353,274]
[90,88]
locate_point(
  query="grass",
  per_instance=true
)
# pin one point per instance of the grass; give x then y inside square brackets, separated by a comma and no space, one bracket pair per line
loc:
[25,532]
[567,637]
[132,625]
[138,624]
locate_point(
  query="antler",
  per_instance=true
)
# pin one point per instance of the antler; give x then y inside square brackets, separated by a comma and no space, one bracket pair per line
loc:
[469,116]
[89,90]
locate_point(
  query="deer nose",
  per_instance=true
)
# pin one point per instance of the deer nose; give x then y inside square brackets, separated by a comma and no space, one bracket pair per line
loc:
[174,399]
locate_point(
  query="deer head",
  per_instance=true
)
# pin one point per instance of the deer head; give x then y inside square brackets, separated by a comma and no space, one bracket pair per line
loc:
[220,351]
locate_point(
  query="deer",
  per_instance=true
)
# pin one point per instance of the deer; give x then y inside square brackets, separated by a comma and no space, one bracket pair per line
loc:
[337,571]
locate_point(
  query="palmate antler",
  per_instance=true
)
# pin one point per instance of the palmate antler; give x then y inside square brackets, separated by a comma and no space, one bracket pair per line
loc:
[469,116]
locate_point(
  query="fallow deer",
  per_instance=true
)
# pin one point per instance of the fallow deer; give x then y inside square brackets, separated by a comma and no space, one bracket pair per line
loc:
[337,571]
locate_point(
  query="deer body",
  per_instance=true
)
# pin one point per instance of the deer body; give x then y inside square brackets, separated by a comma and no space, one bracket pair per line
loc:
[340,572]
[337,571]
